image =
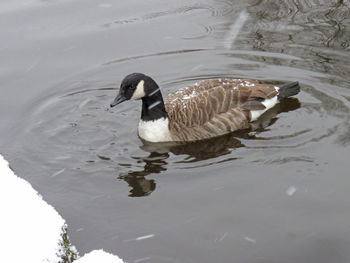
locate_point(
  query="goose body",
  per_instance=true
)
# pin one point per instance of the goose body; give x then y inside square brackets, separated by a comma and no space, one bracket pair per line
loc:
[203,110]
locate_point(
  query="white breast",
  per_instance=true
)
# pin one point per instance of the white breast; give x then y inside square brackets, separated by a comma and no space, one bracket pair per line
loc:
[155,131]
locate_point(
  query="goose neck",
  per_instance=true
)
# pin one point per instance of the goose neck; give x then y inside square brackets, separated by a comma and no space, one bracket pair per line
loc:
[153,107]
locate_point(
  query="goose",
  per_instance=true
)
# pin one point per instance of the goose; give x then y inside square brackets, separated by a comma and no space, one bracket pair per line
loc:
[204,110]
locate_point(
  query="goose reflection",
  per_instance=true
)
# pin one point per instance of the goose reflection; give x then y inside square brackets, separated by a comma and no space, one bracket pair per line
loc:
[140,185]
[156,162]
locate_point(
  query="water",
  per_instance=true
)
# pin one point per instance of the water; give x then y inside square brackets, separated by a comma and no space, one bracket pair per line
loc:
[278,193]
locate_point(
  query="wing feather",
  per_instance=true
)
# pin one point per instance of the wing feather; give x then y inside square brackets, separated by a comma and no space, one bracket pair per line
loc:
[214,107]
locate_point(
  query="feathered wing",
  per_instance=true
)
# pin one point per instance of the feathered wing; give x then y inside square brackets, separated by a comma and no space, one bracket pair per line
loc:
[214,107]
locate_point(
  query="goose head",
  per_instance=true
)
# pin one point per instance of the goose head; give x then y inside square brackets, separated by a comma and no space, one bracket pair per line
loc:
[135,86]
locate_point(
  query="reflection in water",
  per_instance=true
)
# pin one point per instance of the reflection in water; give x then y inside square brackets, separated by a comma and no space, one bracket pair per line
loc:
[197,151]
[81,143]
[140,186]
[318,33]
[320,249]
[225,9]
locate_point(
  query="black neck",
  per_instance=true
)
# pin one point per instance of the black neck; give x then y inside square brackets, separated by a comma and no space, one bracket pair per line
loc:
[153,107]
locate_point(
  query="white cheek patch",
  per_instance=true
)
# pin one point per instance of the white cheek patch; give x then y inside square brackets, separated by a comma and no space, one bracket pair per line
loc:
[139,92]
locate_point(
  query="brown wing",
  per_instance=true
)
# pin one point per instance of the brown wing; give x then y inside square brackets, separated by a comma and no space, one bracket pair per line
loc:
[214,107]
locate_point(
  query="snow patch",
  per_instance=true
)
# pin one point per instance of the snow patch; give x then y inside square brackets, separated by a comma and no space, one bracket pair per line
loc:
[249,239]
[32,230]
[291,191]
[99,256]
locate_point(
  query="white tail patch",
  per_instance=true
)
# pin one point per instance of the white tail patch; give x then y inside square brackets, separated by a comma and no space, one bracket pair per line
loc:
[155,131]
[139,92]
[268,103]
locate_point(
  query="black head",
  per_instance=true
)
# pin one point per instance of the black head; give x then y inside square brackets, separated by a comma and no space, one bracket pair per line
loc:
[138,86]
[134,87]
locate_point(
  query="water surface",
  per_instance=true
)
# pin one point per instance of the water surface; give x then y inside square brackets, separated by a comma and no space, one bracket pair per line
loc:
[277,193]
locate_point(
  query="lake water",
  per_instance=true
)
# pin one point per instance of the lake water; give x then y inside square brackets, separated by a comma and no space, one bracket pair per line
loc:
[279,193]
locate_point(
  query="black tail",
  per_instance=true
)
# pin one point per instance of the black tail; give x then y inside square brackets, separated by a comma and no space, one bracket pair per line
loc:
[288,90]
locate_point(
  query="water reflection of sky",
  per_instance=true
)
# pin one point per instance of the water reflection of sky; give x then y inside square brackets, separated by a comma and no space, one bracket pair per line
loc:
[277,191]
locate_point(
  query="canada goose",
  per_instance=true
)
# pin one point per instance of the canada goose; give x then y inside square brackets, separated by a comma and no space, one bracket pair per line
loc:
[204,110]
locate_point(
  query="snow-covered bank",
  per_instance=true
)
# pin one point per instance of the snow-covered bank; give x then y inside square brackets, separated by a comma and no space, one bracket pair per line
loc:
[32,230]
[98,256]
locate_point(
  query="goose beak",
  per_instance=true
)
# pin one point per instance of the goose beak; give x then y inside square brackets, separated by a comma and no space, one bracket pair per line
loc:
[119,99]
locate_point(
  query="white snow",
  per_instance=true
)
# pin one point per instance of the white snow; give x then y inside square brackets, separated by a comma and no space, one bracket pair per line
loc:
[221,238]
[98,256]
[144,237]
[249,239]
[291,191]
[140,238]
[141,259]
[31,229]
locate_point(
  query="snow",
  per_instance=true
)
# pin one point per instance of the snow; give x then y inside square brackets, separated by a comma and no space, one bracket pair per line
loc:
[144,237]
[291,191]
[99,256]
[251,240]
[140,238]
[32,230]
[221,238]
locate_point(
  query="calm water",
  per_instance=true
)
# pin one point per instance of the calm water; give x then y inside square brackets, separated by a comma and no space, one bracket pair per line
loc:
[279,193]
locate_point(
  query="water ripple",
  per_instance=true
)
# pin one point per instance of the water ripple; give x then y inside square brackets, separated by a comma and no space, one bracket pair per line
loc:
[73,127]
[165,53]
[214,11]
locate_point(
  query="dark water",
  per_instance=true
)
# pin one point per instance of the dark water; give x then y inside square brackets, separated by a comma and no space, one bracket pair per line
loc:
[278,193]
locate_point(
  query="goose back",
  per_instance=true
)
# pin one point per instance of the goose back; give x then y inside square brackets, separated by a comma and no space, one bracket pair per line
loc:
[214,107]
